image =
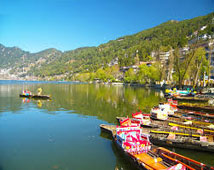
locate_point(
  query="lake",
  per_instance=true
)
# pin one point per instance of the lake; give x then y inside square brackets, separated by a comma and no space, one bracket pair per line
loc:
[64,133]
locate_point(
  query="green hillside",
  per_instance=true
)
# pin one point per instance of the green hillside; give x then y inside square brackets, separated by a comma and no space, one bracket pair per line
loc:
[160,38]
[9,56]
[125,51]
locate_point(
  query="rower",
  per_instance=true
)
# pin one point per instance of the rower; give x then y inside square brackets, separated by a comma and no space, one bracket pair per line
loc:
[39,90]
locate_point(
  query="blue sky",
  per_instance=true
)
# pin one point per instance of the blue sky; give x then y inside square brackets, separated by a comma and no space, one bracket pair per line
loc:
[35,25]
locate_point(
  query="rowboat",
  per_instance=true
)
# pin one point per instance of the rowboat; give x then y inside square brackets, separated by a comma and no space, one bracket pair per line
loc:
[209,109]
[175,122]
[34,96]
[182,140]
[190,99]
[196,123]
[202,116]
[176,92]
[151,125]
[156,157]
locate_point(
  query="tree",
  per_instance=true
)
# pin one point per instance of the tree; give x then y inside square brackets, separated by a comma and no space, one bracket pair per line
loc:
[130,76]
[200,64]
[170,66]
[209,62]
[182,65]
[146,74]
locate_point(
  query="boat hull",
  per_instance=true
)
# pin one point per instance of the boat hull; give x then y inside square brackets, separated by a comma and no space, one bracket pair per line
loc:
[35,96]
[181,144]
[209,109]
[190,99]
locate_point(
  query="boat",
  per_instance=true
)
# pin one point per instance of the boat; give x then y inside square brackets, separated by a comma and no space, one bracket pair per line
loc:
[197,107]
[175,92]
[35,96]
[152,157]
[173,124]
[164,110]
[206,117]
[150,125]
[190,99]
[182,140]
[192,121]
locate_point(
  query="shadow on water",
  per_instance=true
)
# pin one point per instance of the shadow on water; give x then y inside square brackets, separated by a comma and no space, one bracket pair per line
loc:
[1,168]
[122,162]
[201,156]
[105,135]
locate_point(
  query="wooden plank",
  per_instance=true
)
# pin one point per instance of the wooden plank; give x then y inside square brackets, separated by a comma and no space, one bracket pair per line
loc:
[188,127]
[148,160]
[182,134]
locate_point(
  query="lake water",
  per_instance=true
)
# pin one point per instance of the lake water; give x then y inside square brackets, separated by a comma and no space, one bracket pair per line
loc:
[64,133]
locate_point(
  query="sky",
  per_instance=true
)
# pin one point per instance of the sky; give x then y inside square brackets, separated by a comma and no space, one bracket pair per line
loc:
[35,25]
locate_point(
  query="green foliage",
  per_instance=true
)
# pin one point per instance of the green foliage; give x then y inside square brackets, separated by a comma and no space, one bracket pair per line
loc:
[130,76]
[83,77]
[9,56]
[146,74]
[108,74]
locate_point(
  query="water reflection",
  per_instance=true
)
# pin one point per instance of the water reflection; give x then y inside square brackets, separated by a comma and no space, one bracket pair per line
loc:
[122,163]
[38,102]
[105,102]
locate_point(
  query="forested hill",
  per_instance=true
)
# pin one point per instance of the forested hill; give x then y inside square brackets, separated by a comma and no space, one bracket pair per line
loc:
[172,34]
[17,60]
[10,55]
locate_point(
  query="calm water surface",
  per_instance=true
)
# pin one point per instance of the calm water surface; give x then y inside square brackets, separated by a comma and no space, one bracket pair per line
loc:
[64,134]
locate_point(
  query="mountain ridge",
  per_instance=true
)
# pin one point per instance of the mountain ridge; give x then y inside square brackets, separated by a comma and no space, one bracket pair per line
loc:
[171,34]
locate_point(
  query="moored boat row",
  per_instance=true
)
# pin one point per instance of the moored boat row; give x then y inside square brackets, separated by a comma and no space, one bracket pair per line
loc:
[165,125]
[136,145]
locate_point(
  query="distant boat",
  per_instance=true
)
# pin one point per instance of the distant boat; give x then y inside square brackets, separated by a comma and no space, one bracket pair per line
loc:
[35,96]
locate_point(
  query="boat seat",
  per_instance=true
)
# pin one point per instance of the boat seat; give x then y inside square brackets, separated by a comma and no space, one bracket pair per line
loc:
[210,138]
[148,160]
[167,164]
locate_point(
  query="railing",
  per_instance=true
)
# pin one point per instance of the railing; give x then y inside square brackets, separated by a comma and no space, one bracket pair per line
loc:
[196,163]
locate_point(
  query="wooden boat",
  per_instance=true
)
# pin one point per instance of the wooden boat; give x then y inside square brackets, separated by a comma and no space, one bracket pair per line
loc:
[193,115]
[196,113]
[173,92]
[174,122]
[205,130]
[151,125]
[34,96]
[182,140]
[190,98]
[195,123]
[157,157]
[194,107]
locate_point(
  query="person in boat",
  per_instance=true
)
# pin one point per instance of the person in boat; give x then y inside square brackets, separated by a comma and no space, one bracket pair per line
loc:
[39,90]
[26,92]
[23,92]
